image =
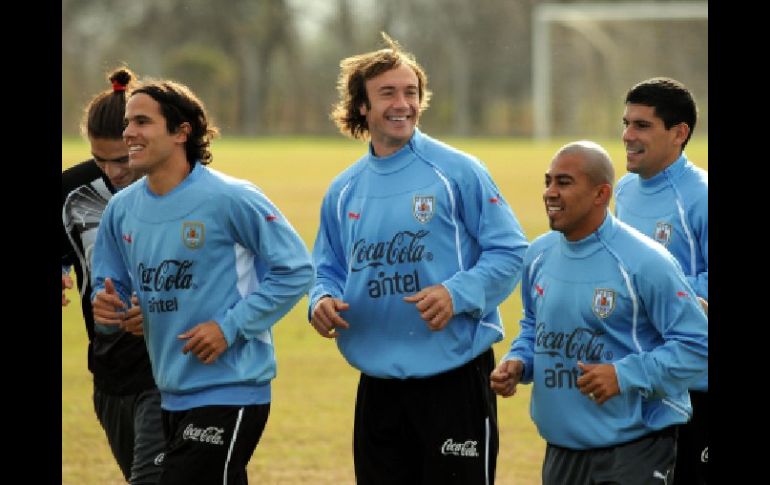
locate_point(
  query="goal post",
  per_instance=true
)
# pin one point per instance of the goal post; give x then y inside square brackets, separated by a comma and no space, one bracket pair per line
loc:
[576,17]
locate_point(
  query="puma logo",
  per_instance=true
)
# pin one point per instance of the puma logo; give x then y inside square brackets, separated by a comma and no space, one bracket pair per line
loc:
[657,474]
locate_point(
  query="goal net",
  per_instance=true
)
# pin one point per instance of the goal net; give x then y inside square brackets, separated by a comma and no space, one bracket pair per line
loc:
[587,55]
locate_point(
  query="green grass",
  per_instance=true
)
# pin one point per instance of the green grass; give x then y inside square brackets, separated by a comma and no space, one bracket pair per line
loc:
[309,433]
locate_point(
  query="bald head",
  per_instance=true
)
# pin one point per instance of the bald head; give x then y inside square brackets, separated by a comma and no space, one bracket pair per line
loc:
[597,164]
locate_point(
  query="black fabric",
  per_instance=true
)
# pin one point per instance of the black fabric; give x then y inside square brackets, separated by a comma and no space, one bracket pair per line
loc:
[200,447]
[119,361]
[134,431]
[648,460]
[436,430]
[692,448]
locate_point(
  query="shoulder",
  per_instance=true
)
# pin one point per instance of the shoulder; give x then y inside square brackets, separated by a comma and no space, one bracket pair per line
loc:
[640,253]
[80,174]
[344,178]
[695,183]
[127,194]
[542,244]
[228,188]
[450,160]
[625,182]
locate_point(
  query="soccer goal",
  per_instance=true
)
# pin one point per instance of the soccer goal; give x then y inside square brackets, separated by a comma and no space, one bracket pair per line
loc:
[585,57]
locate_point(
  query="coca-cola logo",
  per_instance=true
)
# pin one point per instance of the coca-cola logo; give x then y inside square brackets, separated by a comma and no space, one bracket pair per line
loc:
[465,448]
[211,434]
[170,274]
[581,343]
[403,247]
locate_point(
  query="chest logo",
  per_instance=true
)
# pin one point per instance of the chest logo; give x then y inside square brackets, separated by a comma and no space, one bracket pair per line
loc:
[604,302]
[423,208]
[193,234]
[663,233]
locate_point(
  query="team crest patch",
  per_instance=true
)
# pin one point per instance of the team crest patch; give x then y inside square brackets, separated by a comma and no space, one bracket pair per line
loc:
[604,302]
[423,208]
[663,233]
[193,234]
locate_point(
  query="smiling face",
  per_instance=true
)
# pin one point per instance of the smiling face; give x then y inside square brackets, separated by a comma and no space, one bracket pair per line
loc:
[650,147]
[394,109]
[575,205]
[150,145]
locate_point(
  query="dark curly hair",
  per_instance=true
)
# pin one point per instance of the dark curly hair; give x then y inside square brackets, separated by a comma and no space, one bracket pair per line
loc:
[178,105]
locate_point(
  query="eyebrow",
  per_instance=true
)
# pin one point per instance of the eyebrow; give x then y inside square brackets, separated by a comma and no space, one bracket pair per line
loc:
[637,121]
[122,159]
[560,176]
[391,87]
[139,117]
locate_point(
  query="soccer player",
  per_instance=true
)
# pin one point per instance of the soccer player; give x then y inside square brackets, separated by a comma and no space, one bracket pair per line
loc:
[416,249]
[126,400]
[611,335]
[665,197]
[215,265]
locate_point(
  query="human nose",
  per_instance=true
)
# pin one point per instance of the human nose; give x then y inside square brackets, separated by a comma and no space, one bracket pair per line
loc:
[628,133]
[550,191]
[400,100]
[128,132]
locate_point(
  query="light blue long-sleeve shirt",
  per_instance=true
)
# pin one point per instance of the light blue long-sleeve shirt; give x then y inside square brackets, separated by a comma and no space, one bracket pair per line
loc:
[614,297]
[213,248]
[672,208]
[391,226]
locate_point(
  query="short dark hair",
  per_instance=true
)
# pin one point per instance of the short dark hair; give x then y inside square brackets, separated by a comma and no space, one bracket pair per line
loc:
[671,99]
[178,104]
[103,115]
[351,85]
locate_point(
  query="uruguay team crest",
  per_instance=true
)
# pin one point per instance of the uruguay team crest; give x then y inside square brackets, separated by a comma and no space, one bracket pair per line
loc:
[193,234]
[604,302]
[423,208]
[663,233]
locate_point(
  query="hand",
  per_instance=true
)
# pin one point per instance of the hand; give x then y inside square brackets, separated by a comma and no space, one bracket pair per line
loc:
[108,308]
[599,382]
[325,317]
[704,304]
[505,377]
[205,340]
[66,284]
[434,304]
[134,318]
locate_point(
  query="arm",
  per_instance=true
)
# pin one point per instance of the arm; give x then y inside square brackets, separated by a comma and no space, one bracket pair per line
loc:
[700,228]
[259,226]
[109,299]
[328,255]
[523,346]
[331,273]
[488,218]
[666,298]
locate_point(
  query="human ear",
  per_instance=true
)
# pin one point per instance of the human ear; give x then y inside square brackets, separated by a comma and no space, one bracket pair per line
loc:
[183,131]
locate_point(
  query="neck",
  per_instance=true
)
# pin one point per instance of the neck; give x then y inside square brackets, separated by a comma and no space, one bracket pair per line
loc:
[164,178]
[386,146]
[665,165]
[592,225]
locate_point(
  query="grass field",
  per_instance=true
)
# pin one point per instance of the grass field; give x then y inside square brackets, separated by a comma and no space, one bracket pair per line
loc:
[309,432]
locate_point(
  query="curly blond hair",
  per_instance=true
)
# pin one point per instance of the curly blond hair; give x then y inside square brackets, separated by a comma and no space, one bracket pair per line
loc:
[351,85]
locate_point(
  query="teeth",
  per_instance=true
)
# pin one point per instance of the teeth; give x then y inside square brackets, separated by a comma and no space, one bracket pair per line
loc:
[397,118]
[134,148]
[553,208]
